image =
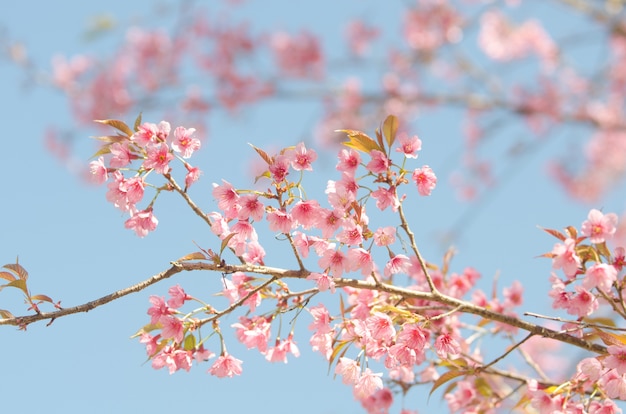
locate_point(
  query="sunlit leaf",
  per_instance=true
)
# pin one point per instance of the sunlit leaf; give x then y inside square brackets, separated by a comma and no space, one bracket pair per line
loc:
[105,149]
[610,338]
[390,128]
[360,141]
[483,387]
[192,256]
[18,270]
[119,125]
[20,284]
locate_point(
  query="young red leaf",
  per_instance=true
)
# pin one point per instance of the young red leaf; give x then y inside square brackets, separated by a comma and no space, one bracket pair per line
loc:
[18,270]
[42,297]
[555,233]
[7,276]
[269,160]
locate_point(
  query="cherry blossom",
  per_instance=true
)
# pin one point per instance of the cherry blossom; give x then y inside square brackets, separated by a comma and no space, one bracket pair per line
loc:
[226,366]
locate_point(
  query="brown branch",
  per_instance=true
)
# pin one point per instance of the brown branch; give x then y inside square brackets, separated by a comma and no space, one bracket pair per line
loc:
[277,273]
[23,321]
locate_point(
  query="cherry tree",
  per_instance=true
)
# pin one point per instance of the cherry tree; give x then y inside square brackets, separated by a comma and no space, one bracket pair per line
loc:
[385,319]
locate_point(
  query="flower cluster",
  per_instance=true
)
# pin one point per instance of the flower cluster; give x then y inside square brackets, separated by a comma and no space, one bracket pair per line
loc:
[127,159]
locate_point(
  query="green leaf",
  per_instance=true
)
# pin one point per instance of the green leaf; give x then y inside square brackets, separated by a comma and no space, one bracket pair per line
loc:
[18,270]
[119,125]
[360,141]
[390,128]
[450,375]
[189,343]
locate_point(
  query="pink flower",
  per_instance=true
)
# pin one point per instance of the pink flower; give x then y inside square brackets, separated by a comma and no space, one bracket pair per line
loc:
[359,36]
[172,328]
[385,198]
[361,259]
[177,297]
[282,348]
[599,227]
[616,359]
[142,222]
[334,260]
[251,207]
[150,341]
[323,281]
[413,336]
[280,221]
[306,213]
[227,199]
[601,276]
[99,172]
[425,179]
[321,319]
[121,155]
[226,366]
[379,162]
[446,346]
[301,157]
[349,161]
[193,175]
[173,358]
[253,333]
[184,143]
[322,342]
[614,385]
[279,168]
[582,303]
[381,327]
[565,257]
[367,384]
[158,158]
[397,264]
[352,233]
[133,188]
[348,369]
[409,146]
[151,133]
[385,236]
[158,310]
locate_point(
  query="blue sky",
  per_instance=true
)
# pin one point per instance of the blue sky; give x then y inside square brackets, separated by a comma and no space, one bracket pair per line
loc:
[75,247]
